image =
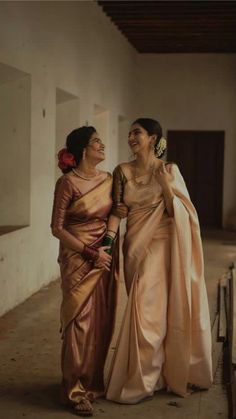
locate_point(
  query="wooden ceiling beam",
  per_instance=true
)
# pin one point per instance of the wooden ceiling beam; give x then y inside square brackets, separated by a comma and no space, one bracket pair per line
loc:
[199,26]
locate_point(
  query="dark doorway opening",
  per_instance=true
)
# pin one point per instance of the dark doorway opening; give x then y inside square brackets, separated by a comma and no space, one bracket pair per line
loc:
[200,157]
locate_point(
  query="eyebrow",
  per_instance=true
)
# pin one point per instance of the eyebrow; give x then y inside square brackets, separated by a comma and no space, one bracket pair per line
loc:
[133,130]
[95,138]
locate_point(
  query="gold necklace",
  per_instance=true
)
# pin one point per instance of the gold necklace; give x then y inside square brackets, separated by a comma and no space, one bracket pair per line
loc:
[84,175]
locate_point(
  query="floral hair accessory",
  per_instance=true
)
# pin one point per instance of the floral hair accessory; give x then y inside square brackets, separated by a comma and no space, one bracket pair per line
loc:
[66,160]
[161,147]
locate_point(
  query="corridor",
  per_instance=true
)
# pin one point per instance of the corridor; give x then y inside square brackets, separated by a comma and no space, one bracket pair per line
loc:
[30,356]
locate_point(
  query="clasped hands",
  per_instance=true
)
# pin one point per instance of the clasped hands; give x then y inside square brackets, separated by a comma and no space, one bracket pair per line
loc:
[104,259]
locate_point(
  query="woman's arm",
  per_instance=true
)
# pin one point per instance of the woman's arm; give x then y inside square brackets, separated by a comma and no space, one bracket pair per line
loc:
[62,199]
[67,239]
[168,197]
[119,209]
[164,178]
[113,225]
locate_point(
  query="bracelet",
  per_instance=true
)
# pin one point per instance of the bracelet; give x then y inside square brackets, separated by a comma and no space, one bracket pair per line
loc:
[90,253]
[108,241]
[111,231]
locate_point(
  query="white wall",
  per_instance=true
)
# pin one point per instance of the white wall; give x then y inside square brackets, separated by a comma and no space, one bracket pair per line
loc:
[124,152]
[74,47]
[67,119]
[14,151]
[100,120]
[194,92]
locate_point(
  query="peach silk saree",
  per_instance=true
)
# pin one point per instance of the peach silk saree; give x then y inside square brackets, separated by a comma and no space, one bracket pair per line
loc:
[89,294]
[165,338]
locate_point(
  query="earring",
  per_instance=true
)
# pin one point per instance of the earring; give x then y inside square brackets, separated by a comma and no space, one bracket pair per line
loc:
[84,154]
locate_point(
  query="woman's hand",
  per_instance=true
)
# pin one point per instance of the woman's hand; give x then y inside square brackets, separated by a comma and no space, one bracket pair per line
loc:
[164,179]
[103,260]
[121,210]
[162,176]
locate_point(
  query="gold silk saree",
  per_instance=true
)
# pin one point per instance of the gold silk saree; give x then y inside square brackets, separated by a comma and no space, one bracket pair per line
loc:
[89,294]
[165,338]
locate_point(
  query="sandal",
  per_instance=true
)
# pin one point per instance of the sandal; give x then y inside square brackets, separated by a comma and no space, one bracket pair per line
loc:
[83,408]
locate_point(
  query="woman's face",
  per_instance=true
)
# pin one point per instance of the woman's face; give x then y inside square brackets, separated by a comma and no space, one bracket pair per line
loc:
[139,140]
[95,149]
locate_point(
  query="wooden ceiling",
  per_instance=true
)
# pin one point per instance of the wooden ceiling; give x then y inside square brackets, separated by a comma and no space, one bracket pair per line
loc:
[175,26]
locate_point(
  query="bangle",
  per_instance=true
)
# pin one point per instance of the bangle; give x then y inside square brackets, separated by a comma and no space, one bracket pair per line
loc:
[108,241]
[90,253]
[111,231]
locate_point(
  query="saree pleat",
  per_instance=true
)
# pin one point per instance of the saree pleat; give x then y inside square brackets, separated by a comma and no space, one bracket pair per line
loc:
[165,339]
[89,294]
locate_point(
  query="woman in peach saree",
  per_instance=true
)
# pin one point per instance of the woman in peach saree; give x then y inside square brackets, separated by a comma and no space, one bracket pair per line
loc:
[165,338]
[82,204]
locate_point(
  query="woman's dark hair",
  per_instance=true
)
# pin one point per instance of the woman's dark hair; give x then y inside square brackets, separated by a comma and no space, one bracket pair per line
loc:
[153,127]
[77,140]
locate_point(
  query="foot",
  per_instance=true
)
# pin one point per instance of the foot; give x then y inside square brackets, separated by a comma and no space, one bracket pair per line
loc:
[83,408]
[193,388]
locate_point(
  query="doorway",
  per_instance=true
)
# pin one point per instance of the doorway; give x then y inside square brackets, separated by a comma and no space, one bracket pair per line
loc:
[200,157]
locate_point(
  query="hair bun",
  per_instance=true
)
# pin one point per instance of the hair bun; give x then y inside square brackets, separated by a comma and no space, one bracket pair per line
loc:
[66,160]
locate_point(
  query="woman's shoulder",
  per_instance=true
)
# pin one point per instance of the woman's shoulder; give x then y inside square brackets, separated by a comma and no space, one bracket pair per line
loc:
[105,174]
[169,163]
[65,178]
[124,169]
[170,166]
[123,166]
[64,184]
[174,171]
[126,164]
[69,178]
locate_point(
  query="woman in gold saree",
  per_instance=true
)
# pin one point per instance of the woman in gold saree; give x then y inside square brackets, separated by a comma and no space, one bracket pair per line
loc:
[82,204]
[165,338]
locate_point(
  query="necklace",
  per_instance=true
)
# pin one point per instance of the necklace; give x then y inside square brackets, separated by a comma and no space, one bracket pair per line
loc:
[83,175]
[150,172]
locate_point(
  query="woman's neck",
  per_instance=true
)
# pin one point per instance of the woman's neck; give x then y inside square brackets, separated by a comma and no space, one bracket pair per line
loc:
[145,160]
[88,168]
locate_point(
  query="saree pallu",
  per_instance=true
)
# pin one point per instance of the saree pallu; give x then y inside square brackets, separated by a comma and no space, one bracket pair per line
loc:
[165,338]
[89,294]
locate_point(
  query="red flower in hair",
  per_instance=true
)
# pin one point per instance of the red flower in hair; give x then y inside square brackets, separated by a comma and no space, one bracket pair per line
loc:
[66,160]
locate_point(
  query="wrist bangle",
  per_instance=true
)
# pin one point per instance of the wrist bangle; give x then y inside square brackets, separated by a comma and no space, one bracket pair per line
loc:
[108,241]
[90,253]
[111,231]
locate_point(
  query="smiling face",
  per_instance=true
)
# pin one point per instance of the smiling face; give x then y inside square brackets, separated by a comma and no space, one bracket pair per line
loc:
[95,149]
[139,140]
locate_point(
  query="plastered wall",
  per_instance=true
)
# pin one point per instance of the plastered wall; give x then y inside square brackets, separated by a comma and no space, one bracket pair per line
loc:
[73,47]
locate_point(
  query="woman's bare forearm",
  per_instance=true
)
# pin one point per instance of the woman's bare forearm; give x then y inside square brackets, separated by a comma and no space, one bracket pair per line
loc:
[113,225]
